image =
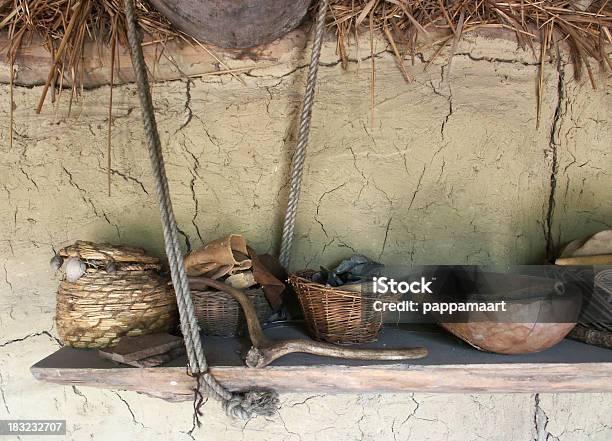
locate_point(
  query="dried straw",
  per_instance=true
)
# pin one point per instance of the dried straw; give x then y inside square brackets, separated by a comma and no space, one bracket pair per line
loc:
[65,25]
[583,24]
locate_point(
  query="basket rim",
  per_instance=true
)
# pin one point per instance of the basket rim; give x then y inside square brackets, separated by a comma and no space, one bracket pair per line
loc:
[337,290]
[216,291]
[106,252]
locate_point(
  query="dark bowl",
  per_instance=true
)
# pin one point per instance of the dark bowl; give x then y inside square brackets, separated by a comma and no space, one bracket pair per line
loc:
[234,23]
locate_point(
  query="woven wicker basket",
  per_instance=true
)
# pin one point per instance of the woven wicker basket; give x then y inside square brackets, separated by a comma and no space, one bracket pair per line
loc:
[101,307]
[219,314]
[336,315]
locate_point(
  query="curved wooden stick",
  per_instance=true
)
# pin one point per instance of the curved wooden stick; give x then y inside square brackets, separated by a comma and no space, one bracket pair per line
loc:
[261,357]
[265,351]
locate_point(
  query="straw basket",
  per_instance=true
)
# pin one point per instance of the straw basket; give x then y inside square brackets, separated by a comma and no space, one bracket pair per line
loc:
[595,324]
[102,306]
[219,314]
[336,315]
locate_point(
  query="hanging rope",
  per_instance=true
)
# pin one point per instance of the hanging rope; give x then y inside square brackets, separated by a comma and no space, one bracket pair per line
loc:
[238,406]
[297,165]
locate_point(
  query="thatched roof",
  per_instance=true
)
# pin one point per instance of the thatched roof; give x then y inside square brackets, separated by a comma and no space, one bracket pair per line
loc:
[65,25]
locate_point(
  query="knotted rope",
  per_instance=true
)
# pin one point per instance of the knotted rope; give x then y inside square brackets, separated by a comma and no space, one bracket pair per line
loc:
[237,406]
[297,165]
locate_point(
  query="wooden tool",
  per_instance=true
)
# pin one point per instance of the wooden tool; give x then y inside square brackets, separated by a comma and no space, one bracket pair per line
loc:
[264,351]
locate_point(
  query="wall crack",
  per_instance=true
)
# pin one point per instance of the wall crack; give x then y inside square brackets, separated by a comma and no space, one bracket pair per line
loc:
[187,108]
[540,421]
[129,408]
[129,178]
[6,279]
[36,334]
[83,192]
[78,393]
[2,395]
[418,187]
[554,145]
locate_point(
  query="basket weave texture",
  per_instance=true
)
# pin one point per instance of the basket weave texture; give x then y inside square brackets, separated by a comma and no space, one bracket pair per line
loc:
[220,315]
[101,307]
[335,315]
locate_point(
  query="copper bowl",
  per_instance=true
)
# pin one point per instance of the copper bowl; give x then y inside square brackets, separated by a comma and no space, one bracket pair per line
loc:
[510,338]
[541,310]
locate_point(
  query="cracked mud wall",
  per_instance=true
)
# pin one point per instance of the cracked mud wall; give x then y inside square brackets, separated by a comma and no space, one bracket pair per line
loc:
[450,170]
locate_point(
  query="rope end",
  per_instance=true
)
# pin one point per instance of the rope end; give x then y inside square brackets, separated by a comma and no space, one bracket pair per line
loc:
[252,403]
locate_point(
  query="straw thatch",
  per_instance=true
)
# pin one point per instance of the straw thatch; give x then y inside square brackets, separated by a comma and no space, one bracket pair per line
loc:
[65,26]
[583,25]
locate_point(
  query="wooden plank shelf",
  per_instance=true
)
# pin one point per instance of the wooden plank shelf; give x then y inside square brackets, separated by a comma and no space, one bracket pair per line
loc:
[451,366]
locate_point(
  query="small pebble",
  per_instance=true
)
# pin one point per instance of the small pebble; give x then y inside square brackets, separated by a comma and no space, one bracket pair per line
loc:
[56,262]
[75,268]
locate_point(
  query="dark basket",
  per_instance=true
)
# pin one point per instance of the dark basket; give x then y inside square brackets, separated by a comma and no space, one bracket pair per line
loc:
[220,315]
[335,315]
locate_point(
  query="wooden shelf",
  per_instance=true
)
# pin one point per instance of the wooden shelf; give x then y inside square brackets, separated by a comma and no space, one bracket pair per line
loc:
[451,366]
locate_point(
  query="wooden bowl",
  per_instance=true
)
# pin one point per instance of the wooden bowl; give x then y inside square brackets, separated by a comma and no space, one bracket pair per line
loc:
[234,23]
